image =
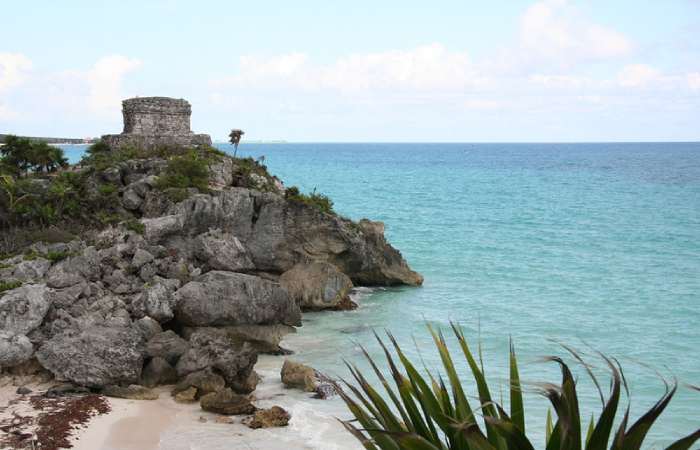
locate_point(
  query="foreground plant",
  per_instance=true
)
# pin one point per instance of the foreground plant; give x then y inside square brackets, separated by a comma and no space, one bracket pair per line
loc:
[421,413]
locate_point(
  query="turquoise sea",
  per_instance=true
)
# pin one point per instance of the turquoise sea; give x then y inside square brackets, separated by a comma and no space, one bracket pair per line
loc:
[592,245]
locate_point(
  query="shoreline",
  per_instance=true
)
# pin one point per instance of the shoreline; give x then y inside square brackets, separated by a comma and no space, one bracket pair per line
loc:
[166,424]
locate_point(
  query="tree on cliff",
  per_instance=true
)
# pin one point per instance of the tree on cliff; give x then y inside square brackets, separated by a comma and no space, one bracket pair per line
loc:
[235,139]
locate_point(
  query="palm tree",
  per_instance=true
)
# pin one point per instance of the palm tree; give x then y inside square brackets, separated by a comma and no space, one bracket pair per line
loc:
[235,139]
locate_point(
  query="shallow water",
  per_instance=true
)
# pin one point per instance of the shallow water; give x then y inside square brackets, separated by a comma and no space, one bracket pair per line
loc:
[593,245]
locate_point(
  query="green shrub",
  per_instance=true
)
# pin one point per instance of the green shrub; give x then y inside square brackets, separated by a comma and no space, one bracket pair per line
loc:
[190,170]
[423,413]
[20,155]
[56,256]
[9,285]
[135,225]
[316,200]
[107,189]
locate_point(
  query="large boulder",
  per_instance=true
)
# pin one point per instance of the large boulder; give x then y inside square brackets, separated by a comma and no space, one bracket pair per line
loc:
[299,376]
[75,269]
[33,269]
[23,309]
[15,349]
[96,356]
[222,251]
[226,298]
[213,349]
[264,338]
[157,301]
[318,285]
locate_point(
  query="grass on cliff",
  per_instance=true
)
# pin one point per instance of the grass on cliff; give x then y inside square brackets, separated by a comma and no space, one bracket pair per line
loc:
[190,170]
[9,285]
[315,199]
[432,411]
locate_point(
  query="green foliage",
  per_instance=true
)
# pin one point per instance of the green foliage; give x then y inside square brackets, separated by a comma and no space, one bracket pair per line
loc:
[316,200]
[135,226]
[107,189]
[56,256]
[9,285]
[431,413]
[20,155]
[97,148]
[190,170]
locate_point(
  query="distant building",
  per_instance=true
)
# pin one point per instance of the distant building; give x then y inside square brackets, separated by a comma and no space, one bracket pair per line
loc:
[151,122]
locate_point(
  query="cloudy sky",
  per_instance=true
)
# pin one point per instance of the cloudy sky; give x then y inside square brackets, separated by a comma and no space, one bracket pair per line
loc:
[366,70]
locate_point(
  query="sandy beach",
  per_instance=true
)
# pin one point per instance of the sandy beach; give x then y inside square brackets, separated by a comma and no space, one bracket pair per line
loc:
[165,424]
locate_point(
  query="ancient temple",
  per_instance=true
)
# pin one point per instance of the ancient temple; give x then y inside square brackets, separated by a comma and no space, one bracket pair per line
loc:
[151,122]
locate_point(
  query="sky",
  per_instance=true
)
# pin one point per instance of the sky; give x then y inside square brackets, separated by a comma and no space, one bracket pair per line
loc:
[360,71]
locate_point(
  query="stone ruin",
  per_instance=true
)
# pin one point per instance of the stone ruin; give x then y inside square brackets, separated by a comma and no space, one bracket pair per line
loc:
[152,122]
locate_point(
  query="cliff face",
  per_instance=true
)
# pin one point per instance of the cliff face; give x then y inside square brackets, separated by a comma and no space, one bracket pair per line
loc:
[206,269]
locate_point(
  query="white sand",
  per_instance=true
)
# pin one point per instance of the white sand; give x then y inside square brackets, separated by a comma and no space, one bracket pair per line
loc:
[165,424]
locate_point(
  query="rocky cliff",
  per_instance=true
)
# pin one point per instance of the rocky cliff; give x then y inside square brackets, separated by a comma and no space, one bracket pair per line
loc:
[192,286]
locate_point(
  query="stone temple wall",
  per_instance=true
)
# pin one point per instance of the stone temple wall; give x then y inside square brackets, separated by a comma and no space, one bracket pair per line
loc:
[151,122]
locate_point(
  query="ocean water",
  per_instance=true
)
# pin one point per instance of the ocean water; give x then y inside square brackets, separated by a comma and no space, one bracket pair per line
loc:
[593,245]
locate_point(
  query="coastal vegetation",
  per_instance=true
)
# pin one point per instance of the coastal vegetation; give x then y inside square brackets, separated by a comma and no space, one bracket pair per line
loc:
[317,200]
[427,412]
[20,156]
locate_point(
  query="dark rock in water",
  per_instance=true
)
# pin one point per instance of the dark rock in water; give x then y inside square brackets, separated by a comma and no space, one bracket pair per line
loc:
[318,285]
[220,298]
[212,348]
[23,390]
[95,357]
[227,402]
[167,345]
[132,392]
[158,371]
[65,389]
[267,418]
[326,389]
[204,382]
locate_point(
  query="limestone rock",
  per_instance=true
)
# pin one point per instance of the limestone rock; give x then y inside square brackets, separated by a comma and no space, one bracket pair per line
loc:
[227,402]
[227,298]
[263,338]
[131,200]
[147,327]
[158,371]
[222,251]
[141,257]
[15,349]
[267,418]
[23,309]
[132,392]
[213,349]
[300,376]
[94,357]
[203,381]
[166,345]
[318,285]
[34,269]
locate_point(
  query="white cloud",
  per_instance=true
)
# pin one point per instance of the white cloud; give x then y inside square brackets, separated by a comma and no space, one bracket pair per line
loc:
[555,31]
[425,68]
[13,68]
[6,113]
[105,81]
[638,75]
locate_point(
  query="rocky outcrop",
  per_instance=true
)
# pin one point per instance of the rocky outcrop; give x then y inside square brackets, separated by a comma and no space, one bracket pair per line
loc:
[95,357]
[214,349]
[225,272]
[220,298]
[318,285]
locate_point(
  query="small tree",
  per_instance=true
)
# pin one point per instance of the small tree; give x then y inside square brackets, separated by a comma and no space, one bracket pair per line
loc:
[19,155]
[235,139]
